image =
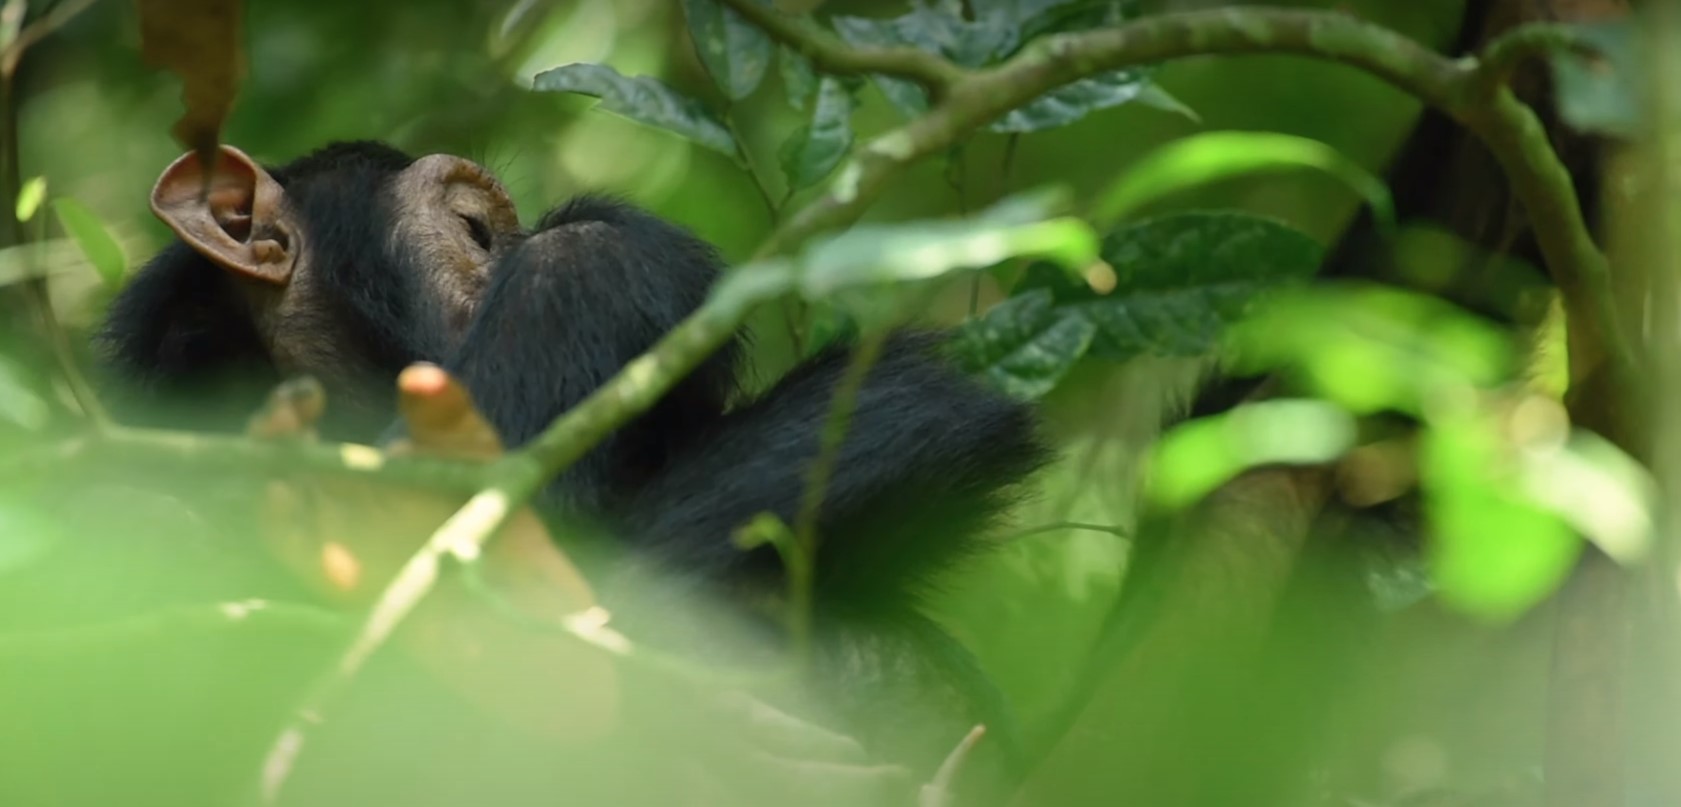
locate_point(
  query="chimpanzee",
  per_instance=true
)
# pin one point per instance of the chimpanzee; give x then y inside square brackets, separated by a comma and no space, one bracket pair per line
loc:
[358,260]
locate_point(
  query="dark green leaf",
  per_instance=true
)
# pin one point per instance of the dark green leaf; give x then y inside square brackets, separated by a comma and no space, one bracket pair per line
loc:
[817,147]
[1068,104]
[1181,279]
[641,99]
[1600,94]
[1024,345]
[96,242]
[734,52]
[799,80]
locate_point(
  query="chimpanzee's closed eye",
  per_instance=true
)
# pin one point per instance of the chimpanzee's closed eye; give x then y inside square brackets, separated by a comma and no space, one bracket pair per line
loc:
[480,231]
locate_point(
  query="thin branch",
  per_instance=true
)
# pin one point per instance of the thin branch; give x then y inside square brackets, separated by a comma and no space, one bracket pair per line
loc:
[1059,526]
[166,450]
[772,210]
[938,793]
[1502,56]
[831,54]
[149,628]
[53,20]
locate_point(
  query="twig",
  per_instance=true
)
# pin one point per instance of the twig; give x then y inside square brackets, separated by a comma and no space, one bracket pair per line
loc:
[1502,56]
[53,20]
[801,574]
[1059,526]
[831,54]
[772,209]
[147,628]
[937,793]
[165,449]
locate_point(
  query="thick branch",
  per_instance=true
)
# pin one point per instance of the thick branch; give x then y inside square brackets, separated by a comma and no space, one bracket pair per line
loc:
[831,54]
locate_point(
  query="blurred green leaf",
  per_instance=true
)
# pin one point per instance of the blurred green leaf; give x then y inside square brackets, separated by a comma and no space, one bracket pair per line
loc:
[21,404]
[1601,93]
[814,149]
[25,535]
[96,243]
[1602,492]
[1195,458]
[1494,552]
[1214,156]
[735,53]
[30,197]
[873,254]
[1024,345]
[641,99]
[1182,279]
[799,80]
[1372,348]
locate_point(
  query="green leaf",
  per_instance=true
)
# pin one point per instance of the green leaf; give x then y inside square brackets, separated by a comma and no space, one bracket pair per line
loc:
[1182,279]
[1372,348]
[799,79]
[874,254]
[735,53]
[1494,552]
[30,197]
[1024,345]
[96,243]
[1193,459]
[817,147]
[641,99]
[1214,156]
[1601,94]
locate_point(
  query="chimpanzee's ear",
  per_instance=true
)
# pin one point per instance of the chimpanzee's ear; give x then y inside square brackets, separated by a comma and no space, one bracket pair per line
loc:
[241,224]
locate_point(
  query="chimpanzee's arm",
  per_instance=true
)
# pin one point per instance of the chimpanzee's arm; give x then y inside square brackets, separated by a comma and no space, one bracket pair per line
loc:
[930,459]
[595,286]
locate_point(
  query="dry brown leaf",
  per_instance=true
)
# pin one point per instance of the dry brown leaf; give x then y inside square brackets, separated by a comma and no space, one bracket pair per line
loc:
[201,41]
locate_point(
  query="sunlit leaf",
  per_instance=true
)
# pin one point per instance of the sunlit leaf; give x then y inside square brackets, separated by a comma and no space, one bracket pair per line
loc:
[814,149]
[1214,156]
[641,99]
[1603,493]
[1494,552]
[1070,103]
[201,41]
[884,253]
[1600,93]
[96,243]
[30,197]
[1023,346]
[1372,348]
[736,53]
[799,80]
[1181,280]
[1195,458]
